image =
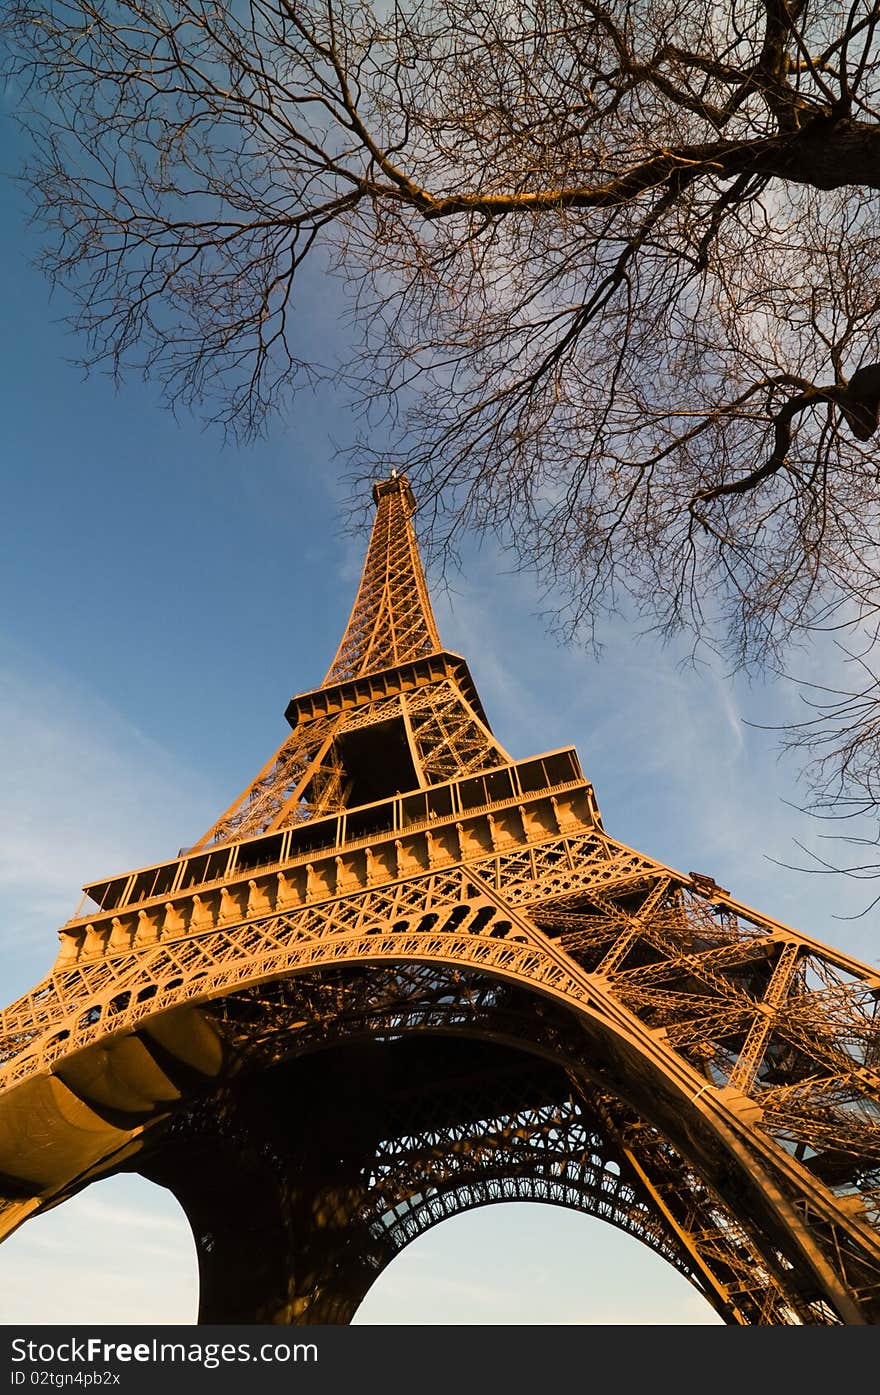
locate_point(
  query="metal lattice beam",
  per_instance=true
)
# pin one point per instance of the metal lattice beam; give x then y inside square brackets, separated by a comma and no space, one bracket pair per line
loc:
[393,894]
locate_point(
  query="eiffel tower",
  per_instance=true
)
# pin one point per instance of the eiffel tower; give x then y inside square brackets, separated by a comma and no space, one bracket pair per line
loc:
[405,975]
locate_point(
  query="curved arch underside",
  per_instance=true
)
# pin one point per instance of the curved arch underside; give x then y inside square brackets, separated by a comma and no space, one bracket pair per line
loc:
[354,1107]
[399,1134]
[690,1034]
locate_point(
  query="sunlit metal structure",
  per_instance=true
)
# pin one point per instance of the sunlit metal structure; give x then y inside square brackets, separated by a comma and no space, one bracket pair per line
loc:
[405,975]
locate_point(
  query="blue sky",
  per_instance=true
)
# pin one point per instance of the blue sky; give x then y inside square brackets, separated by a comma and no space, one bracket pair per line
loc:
[164,596]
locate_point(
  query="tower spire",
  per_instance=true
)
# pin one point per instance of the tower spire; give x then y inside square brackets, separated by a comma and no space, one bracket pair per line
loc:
[395,712]
[391,620]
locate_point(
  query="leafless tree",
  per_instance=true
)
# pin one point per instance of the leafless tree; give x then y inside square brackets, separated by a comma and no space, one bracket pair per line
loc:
[613,269]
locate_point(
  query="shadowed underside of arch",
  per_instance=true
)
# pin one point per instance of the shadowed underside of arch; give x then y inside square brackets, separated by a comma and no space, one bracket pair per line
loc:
[421,1127]
[353,1107]
[404,975]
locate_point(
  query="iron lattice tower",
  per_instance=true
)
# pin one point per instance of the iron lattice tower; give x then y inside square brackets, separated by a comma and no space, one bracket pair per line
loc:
[405,975]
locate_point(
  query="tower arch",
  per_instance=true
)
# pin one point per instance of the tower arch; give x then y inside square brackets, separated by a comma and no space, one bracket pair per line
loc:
[392,866]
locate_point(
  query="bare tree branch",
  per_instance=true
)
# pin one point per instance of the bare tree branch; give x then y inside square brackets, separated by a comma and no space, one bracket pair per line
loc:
[613,270]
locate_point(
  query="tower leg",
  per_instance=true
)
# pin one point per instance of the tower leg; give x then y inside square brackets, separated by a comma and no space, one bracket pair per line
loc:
[290,1253]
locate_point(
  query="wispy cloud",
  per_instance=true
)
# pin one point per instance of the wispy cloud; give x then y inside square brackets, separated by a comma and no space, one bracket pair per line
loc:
[83,794]
[124,1250]
[682,768]
[530,1265]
